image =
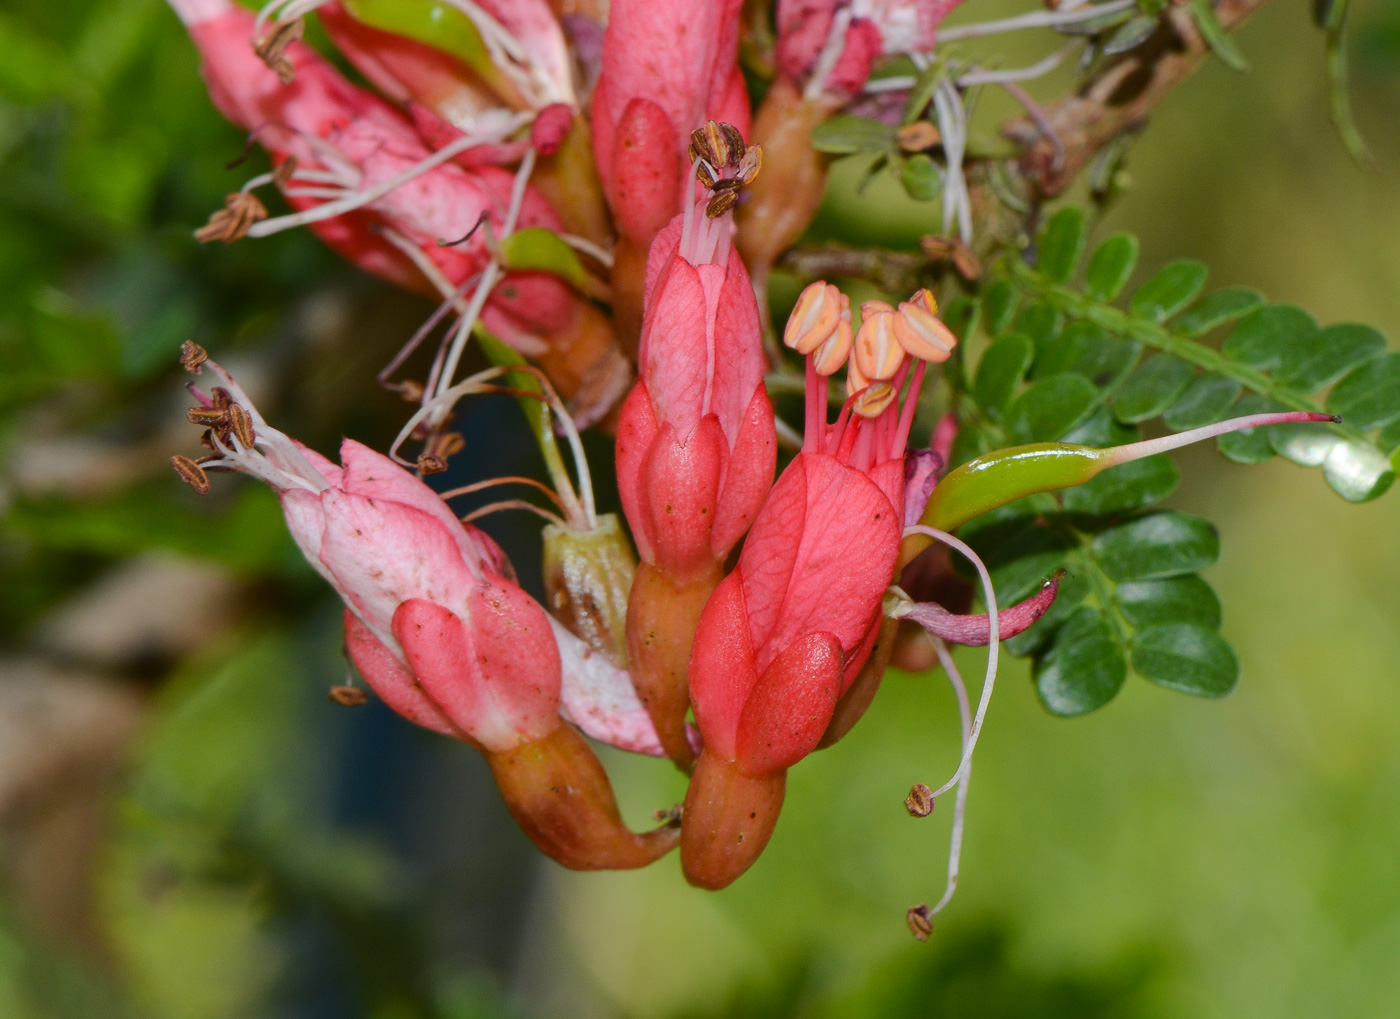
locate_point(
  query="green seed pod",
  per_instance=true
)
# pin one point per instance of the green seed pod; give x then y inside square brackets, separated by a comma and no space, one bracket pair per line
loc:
[587,581]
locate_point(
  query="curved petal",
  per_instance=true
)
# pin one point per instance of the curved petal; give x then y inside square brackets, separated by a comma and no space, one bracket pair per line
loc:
[976,630]
[790,706]
[599,698]
[722,672]
[681,489]
[390,679]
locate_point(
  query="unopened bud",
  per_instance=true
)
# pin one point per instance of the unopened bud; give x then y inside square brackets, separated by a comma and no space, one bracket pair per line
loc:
[919,802]
[814,317]
[921,334]
[920,925]
[877,352]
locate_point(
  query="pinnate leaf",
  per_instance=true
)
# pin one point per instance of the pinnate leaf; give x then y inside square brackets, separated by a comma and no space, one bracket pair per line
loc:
[1250,445]
[1050,408]
[1173,288]
[846,134]
[1003,369]
[1186,657]
[1262,336]
[1185,599]
[1357,471]
[1084,669]
[1124,488]
[1152,388]
[1205,401]
[1327,355]
[1110,267]
[1369,396]
[999,306]
[1062,244]
[1159,545]
[1216,309]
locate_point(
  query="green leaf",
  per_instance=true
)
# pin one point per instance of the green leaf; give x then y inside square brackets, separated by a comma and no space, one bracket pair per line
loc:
[1216,309]
[1131,34]
[999,306]
[1050,408]
[1102,429]
[1040,322]
[1369,396]
[1087,349]
[1110,267]
[1388,441]
[1160,545]
[1173,288]
[1323,357]
[1020,555]
[1307,445]
[1085,668]
[1186,599]
[1206,401]
[1249,445]
[1153,388]
[1002,370]
[1124,488]
[1357,471]
[1265,334]
[846,134]
[1216,37]
[920,178]
[1062,244]
[537,248]
[1186,657]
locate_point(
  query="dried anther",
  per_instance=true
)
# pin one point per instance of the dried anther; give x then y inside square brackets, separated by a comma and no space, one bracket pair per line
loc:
[718,144]
[240,423]
[272,47]
[192,355]
[723,165]
[282,175]
[191,473]
[430,463]
[919,802]
[723,199]
[347,696]
[241,210]
[918,136]
[671,815]
[940,249]
[919,923]
[215,416]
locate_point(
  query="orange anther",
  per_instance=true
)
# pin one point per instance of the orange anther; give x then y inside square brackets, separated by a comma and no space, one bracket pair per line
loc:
[921,334]
[831,355]
[872,402]
[814,317]
[877,351]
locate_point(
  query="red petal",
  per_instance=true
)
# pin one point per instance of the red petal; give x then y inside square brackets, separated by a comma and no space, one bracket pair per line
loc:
[748,474]
[790,706]
[390,678]
[682,487]
[646,171]
[636,431]
[721,666]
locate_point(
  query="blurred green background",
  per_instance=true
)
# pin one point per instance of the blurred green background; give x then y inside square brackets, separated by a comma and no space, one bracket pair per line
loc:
[188,828]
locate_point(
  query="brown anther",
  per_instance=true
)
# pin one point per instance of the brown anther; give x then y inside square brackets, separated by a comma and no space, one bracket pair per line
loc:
[918,136]
[222,398]
[964,259]
[191,473]
[240,423]
[410,390]
[919,802]
[721,201]
[718,144]
[751,163]
[272,47]
[282,175]
[241,210]
[705,174]
[919,923]
[449,444]
[214,416]
[347,696]
[207,440]
[429,463]
[192,355]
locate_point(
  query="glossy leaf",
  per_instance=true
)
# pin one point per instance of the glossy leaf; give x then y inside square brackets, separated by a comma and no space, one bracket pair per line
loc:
[1110,267]
[1152,388]
[846,134]
[1327,355]
[1186,657]
[1369,397]
[999,306]
[1185,599]
[1127,487]
[1307,445]
[1085,348]
[1102,429]
[1160,545]
[1357,471]
[1020,557]
[1050,408]
[1262,336]
[1174,287]
[1002,370]
[1062,244]
[1216,309]
[1040,322]
[1085,668]
[1205,401]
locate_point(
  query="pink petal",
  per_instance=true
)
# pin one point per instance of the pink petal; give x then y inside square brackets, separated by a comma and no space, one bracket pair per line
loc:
[599,698]
[976,630]
[790,707]
[681,487]
[722,672]
[748,474]
[390,678]
[636,431]
[672,357]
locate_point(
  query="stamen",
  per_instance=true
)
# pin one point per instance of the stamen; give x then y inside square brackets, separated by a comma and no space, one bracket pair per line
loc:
[921,334]
[877,353]
[1035,19]
[191,473]
[272,48]
[192,356]
[993,646]
[813,318]
[955,841]
[509,480]
[241,212]
[519,504]
[1148,447]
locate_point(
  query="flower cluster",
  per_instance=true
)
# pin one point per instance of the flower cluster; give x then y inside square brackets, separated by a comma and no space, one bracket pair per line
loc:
[593,204]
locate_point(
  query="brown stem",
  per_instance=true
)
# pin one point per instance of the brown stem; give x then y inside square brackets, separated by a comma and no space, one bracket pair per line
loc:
[1116,99]
[892,271]
[560,796]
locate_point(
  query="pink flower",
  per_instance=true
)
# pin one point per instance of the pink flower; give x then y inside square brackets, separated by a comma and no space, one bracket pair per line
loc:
[668,66]
[839,40]
[696,445]
[346,142]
